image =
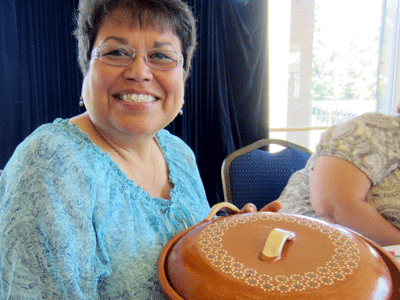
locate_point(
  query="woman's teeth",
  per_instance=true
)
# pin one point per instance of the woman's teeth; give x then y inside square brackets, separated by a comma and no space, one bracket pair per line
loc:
[137,98]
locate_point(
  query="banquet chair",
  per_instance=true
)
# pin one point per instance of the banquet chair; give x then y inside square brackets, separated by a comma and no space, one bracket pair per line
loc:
[256,175]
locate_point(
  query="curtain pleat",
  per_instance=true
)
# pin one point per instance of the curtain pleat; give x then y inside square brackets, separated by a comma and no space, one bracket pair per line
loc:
[226,102]
[40,76]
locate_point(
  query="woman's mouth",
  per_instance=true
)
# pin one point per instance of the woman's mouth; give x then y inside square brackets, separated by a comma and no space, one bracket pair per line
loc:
[137,98]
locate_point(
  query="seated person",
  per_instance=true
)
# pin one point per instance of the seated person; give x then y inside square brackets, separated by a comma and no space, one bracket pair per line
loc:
[88,203]
[353,178]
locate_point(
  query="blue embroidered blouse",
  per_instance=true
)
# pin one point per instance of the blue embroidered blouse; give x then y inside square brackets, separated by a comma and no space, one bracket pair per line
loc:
[73,226]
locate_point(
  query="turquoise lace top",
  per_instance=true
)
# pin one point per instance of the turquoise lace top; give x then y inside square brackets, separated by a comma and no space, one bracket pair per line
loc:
[73,226]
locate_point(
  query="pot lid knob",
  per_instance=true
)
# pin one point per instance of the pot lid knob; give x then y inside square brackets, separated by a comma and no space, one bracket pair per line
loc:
[274,244]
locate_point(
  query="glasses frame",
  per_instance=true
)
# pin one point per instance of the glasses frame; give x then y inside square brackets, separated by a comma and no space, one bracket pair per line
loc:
[97,53]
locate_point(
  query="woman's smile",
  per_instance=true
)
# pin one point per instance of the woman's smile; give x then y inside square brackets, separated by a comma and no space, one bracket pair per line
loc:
[136,102]
[139,98]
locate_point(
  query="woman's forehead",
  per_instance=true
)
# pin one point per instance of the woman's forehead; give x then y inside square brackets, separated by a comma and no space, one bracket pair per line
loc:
[120,26]
[140,19]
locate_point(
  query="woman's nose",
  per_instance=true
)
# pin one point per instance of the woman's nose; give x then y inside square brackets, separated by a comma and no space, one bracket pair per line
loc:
[138,70]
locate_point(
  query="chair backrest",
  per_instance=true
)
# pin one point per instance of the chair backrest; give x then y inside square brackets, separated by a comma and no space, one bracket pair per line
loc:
[252,174]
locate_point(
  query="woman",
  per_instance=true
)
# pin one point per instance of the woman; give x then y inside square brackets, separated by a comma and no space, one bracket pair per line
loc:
[353,179]
[87,204]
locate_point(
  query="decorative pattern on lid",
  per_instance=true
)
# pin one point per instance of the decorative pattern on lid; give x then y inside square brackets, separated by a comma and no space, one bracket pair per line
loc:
[343,262]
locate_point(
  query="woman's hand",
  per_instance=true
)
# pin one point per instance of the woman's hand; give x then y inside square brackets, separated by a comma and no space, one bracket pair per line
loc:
[273,206]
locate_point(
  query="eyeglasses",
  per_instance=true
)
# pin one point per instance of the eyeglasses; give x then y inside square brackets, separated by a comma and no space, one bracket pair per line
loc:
[122,55]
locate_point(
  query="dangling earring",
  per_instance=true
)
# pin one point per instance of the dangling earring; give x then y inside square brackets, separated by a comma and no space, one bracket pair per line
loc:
[181,110]
[81,103]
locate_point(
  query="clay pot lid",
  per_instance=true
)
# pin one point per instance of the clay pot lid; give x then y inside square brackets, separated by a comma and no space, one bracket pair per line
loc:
[271,255]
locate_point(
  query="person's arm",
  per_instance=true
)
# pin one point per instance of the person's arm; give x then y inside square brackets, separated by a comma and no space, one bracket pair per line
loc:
[48,249]
[338,192]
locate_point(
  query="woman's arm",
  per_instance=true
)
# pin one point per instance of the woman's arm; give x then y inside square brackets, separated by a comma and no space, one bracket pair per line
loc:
[48,249]
[338,192]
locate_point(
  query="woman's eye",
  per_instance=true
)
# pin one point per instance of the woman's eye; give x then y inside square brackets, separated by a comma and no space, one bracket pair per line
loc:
[117,53]
[159,55]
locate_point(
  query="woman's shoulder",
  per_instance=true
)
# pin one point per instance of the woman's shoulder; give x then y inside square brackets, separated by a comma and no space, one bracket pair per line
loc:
[370,127]
[54,142]
[377,120]
[370,141]
[172,143]
[58,131]
[178,154]
[169,138]
[369,121]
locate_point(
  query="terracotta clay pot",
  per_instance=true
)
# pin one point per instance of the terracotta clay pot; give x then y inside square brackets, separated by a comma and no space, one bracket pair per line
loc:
[274,256]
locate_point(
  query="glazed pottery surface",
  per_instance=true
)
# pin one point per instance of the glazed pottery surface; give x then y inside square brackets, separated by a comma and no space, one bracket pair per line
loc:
[223,258]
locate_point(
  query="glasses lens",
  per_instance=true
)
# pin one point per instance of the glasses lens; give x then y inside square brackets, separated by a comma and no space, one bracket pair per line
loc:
[162,59]
[122,55]
[117,55]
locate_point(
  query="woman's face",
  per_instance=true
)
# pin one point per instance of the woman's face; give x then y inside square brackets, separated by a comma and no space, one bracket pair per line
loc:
[105,86]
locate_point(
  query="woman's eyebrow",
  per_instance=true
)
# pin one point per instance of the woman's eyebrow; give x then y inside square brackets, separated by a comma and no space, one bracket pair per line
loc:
[118,39]
[161,44]
[125,42]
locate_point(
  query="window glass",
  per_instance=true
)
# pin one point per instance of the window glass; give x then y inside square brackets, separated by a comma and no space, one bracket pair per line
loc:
[329,61]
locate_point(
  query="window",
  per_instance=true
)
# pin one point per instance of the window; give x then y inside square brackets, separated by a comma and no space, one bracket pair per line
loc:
[330,61]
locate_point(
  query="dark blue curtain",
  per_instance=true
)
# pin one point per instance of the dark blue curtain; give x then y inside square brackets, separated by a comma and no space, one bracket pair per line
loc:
[226,96]
[226,105]
[40,77]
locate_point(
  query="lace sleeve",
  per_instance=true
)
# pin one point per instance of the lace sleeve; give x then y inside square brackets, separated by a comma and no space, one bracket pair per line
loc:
[370,142]
[47,240]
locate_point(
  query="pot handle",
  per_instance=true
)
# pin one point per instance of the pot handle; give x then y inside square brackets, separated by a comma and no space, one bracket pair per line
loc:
[274,244]
[232,209]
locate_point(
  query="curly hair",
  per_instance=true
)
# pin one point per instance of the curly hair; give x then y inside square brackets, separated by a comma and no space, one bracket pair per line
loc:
[172,15]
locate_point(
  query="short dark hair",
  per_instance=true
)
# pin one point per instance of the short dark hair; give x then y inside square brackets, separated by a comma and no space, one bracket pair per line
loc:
[174,14]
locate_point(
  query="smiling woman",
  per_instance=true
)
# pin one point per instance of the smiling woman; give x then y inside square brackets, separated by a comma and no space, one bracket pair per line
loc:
[89,202]
[108,83]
